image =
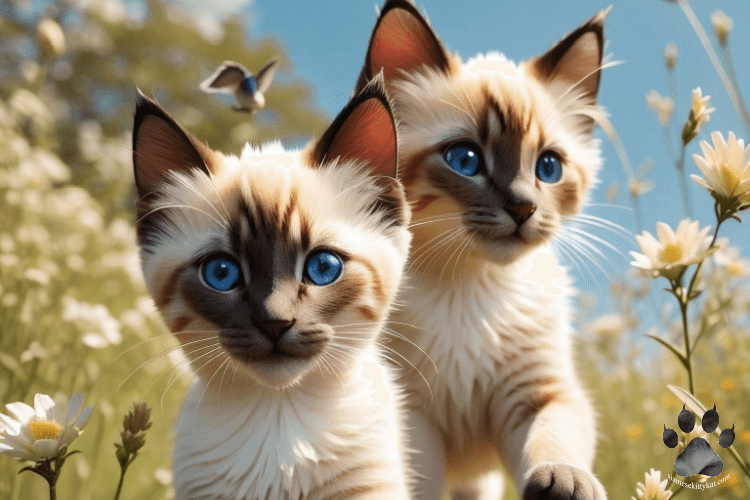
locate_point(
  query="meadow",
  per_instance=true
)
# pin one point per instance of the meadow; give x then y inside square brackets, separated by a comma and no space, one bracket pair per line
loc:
[75,315]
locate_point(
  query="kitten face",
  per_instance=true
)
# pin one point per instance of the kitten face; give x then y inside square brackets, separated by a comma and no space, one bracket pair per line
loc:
[494,156]
[269,265]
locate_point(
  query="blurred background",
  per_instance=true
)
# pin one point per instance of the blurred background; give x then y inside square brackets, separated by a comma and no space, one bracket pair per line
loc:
[74,315]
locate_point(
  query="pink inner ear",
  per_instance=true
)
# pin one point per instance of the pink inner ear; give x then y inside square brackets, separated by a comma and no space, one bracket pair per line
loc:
[403,42]
[369,135]
[160,148]
[579,64]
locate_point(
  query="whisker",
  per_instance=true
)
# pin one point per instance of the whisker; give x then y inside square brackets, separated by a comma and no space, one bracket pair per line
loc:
[578,248]
[156,338]
[443,219]
[223,353]
[190,362]
[165,207]
[188,184]
[604,224]
[159,356]
[595,238]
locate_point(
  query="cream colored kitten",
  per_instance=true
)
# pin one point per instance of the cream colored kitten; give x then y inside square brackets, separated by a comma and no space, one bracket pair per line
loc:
[276,271]
[495,157]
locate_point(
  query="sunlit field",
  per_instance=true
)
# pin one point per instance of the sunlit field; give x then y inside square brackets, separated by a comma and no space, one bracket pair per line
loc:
[75,315]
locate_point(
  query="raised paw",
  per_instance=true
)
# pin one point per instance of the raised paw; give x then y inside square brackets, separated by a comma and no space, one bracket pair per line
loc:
[559,481]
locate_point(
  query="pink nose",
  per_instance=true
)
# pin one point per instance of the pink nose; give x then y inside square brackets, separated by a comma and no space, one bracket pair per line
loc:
[520,213]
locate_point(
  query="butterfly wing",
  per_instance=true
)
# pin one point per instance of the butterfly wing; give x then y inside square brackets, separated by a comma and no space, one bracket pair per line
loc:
[225,79]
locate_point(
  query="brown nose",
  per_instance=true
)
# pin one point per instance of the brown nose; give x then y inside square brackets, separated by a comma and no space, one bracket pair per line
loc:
[520,213]
[275,328]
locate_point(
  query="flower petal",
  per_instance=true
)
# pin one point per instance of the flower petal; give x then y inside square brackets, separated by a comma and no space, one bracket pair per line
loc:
[68,436]
[42,406]
[9,425]
[84,418]
[22,440]
[45,448]
[74,408]
[16,453]
[21,411]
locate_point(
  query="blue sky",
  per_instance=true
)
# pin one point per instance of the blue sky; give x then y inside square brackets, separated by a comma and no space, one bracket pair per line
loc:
[326,41]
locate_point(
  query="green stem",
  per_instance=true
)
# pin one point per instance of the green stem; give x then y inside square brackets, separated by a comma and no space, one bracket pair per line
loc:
[733,78]
[123,470]
[686,335]
[743,465]
[680,166]
[52,492]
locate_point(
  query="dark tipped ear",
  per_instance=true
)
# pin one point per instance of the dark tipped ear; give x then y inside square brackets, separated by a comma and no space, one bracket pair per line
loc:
[576,59]
[401,40]
[365,130]
[161,145]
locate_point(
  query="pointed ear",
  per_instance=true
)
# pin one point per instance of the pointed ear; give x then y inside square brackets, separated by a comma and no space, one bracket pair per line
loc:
[401,40]
[161,145]
[576,59]
[365,130]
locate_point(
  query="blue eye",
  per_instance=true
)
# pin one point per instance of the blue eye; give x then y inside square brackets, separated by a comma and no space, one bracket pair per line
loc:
[549,168]
[221,274]
[323,267]
[463,159]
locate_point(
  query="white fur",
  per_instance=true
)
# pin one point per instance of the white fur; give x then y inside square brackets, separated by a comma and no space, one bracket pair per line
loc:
[246,441]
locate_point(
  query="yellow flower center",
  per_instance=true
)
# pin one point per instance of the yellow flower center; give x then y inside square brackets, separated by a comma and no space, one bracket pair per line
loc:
[672,252]
[730,179]
[44,429]
[735,268]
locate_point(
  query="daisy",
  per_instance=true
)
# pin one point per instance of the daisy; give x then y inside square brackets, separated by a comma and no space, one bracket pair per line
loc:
[674,251]
[653,489]
[39,433]
[726,168]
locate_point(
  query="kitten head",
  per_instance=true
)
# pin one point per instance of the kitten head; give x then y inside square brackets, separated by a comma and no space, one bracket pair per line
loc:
[277,264]
[494,156]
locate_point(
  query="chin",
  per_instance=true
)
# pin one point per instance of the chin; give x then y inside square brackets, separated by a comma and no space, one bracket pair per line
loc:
[277,372]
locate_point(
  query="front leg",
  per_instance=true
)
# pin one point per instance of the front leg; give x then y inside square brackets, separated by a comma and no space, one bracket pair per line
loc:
[427,457]
[545,433]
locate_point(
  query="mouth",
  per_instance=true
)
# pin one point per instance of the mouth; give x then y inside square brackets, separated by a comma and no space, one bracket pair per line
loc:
[276,363]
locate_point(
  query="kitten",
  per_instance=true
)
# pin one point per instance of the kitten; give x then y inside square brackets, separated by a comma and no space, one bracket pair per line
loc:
[495,157]
[276,271]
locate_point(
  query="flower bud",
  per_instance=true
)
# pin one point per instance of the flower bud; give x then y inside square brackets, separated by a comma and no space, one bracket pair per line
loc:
[722,26]
[670,56]
[51,37]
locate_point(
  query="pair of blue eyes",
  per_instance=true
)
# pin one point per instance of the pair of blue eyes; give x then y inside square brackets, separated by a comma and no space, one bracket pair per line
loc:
[466,161]
[322,268]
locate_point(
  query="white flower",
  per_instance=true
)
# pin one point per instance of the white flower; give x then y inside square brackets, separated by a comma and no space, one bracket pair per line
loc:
[674,250]
[100,329]
[40,432]
[700,114]
[722,26]
[662,106]
[653,489]
[728,257]
[726,167]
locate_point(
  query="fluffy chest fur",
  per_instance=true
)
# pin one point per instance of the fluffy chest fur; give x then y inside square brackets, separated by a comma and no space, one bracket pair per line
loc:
[308,442]
[486,337]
